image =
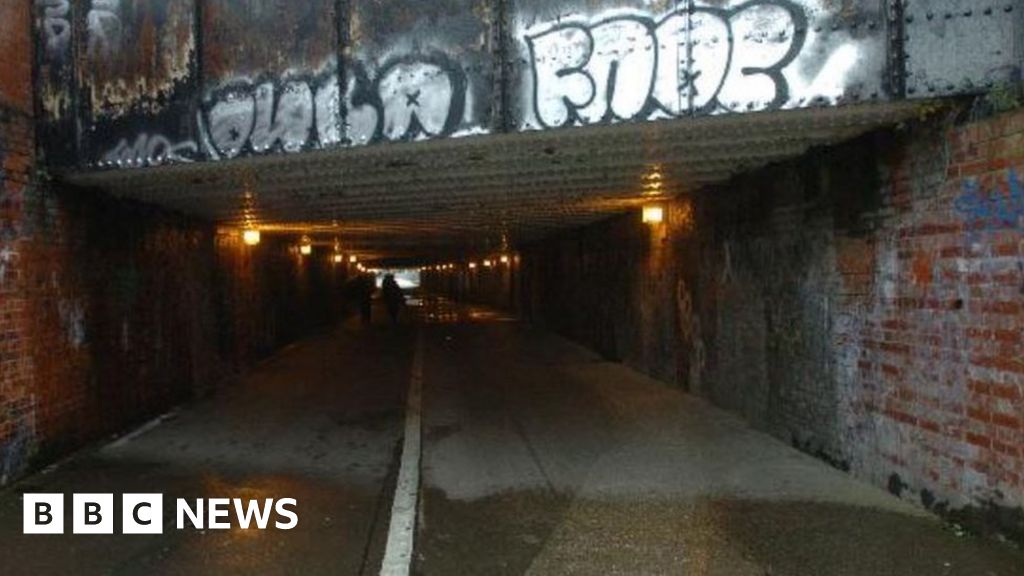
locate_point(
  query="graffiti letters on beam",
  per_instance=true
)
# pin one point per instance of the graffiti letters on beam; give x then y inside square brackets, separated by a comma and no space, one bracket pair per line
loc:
[151,149]
[56,26]
[703,59]
[103,23]
[412,97]
[994,210]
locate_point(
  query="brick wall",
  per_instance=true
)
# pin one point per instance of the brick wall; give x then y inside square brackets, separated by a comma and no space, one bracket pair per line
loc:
[112,311]
[121,310]
[17,425]
[864,303]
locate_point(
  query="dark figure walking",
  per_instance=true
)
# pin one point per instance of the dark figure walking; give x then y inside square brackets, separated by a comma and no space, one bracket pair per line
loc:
[359,291]
[366,297]
[393,297]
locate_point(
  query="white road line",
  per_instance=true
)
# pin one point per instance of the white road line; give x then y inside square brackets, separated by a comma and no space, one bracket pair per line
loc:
[398,553]
[148,426]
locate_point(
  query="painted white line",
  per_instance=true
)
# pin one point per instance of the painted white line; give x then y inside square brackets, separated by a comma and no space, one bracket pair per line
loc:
[401,531]
[148,426]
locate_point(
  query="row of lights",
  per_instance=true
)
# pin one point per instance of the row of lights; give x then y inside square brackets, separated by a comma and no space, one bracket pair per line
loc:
[651,214]
[251,237]
[503,259]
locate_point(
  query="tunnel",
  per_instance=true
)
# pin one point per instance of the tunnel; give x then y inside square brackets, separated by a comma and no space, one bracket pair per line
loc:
[489,287]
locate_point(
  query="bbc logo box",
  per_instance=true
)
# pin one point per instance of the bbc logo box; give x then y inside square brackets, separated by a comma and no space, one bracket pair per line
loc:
[93,514]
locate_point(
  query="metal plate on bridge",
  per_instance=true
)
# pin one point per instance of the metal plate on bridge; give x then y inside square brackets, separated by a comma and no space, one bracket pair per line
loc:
[958,46]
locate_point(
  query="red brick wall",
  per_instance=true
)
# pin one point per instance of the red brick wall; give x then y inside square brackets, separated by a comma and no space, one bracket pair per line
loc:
[864,303]
[939,359]
[111,311]
[16,55]
[17,425]
[122,310]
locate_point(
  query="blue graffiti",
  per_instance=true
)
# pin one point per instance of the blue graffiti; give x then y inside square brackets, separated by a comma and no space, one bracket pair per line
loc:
[13,454]
[991,211]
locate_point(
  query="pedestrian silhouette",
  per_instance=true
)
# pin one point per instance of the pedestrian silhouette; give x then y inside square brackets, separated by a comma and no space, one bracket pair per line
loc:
[394,299]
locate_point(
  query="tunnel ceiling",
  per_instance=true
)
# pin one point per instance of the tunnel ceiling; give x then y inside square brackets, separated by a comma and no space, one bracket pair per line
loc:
[467,195]
[422,126]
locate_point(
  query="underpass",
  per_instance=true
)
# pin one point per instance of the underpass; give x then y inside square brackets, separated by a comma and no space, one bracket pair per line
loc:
[538,457]
[686,287]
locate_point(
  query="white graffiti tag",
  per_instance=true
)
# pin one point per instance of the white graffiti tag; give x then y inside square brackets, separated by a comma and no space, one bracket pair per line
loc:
[103,23]
[56,26]
[631,66]
[149,149]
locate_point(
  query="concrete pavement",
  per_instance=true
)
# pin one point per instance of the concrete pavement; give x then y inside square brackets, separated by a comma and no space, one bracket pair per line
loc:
[538,457]
[541,458]
[320,422]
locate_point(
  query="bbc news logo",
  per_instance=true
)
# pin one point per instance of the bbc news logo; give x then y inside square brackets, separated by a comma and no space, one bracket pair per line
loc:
[143,513]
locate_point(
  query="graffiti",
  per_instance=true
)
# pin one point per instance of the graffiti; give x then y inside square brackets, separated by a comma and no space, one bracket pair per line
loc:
[419,97]
[103,24]
[690,337]
[993,210]
[413,97]
[15,451]
[56,26]
[10,220]
[152,149]
[262,117]
[72,318]
[694,59]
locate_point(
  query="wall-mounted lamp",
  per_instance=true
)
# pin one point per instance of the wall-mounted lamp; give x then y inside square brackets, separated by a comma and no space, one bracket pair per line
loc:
[653,214]
[504,259]
[488,263]
[251,237]
[353,259]
[338,259]
[472,265]
[306,246]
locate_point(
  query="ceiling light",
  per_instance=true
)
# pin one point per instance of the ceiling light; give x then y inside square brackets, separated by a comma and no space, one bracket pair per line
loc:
[653,214]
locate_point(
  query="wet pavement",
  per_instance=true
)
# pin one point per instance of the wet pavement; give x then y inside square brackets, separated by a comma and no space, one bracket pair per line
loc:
[541,458]
[320,422]
[538,458]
